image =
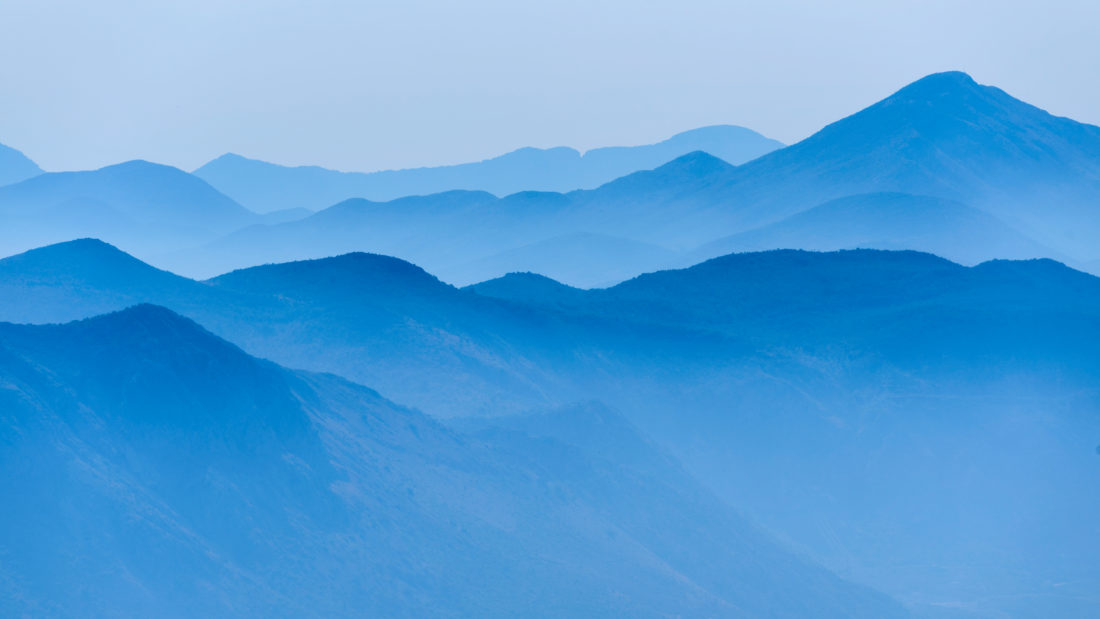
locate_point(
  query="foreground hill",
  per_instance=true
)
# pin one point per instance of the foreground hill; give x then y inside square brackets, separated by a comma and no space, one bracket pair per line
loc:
[912,423]
[15,166]
[388,318]
[265,187]
[186,478]
[924,401]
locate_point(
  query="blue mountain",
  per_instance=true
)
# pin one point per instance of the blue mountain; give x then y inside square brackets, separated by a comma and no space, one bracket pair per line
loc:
[944,136]
[15,166]
[187,478]
[774,377]
[973,160]
[145,206]
[939,226]
[264,187]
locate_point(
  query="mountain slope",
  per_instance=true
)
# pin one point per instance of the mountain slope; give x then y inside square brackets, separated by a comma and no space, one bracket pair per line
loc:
[922,425]
[944,137]
[267,187]
[15,166]
[144,206]
[571,258]
[886,221]
[455,233]
[185,477]
[387,318]
[835,397]
[86,277]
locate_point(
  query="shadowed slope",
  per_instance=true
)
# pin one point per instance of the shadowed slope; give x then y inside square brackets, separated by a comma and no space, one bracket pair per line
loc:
[15,166]
[185,477]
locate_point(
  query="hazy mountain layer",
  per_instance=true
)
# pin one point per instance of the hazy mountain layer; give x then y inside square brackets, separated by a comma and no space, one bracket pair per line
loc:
[946,228]
[15,166]
[858,403]
[148,207]
[265,187]
[185,478]
[1032,177]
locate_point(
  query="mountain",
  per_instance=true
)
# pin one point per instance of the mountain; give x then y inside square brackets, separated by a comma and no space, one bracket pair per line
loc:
[387,317]
[466,236]
[187,478]
[572,258]
[15,166]
[145,206]
[264,187]
[943,136]
[530,288]
[83,278]
[921,427]
[886,221]
[1022,178]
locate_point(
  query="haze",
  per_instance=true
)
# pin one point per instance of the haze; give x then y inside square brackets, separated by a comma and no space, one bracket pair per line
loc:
[366,86]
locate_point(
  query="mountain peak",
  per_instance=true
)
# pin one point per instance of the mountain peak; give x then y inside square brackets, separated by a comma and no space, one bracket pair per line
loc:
[945,79]
[335,276]
[146,314]
[938,88]
[84,252]
[696,160]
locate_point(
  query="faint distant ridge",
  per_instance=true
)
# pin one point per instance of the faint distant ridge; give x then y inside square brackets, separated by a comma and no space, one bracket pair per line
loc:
[137,204]
[265,187]
[15,166]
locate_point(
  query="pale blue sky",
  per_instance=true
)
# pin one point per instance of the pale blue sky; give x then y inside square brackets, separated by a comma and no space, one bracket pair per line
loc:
[369,85]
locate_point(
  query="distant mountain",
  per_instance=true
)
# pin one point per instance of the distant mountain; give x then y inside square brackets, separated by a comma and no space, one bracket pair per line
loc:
[1023,179]
[264,187]
[84,278]
[465,236]
[530,288]
[185,478]
[145,206]
[586,260]
[886,221]
[944,136]
[15,166]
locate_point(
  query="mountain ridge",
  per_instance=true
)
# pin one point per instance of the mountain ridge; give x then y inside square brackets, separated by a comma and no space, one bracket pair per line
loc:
[560,169]
[15,166]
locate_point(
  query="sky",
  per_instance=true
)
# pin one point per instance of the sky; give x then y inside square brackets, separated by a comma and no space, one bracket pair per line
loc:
[367,85]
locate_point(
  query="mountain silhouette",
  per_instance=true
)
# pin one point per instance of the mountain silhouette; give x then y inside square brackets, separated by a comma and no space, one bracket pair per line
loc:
[1020,177]
[264,187]
[15,166]
[185,477]
[886,221]
[750,368]
[144,206]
